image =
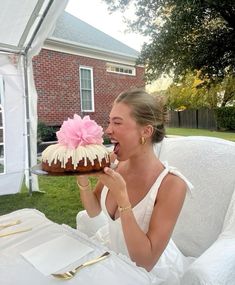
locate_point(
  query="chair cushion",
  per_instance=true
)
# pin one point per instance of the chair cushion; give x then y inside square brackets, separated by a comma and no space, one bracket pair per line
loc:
[209,164]
[215,266]
[229,221]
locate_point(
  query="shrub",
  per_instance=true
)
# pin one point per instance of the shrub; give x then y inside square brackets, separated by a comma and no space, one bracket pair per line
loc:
[106,140]
[225,118]
[46,133]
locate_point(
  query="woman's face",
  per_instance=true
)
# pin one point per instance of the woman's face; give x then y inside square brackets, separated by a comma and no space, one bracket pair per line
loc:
[124,132]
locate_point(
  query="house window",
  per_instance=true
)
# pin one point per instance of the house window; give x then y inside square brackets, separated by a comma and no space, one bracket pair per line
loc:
[86,89]
[2,147]
[121,69]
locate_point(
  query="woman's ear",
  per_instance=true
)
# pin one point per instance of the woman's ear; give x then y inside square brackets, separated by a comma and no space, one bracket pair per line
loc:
[147,131]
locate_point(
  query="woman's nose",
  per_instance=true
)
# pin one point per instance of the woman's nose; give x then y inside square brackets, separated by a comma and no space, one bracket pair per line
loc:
[108,130]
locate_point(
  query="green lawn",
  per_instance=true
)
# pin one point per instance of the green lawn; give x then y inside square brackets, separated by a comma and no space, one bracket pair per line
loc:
[61,201]
[200,132]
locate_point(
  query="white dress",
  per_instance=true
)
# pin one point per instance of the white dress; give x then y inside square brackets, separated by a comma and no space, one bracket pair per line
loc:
[172,262]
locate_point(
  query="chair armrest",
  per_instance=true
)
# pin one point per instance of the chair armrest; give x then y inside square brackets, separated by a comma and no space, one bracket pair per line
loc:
[216,266]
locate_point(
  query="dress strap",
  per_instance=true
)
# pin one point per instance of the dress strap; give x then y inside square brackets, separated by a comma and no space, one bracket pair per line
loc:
[176,172]
[168,169]
[151,198]
[156,185]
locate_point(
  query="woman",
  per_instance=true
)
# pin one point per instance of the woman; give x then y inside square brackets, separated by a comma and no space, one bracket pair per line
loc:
[142,197]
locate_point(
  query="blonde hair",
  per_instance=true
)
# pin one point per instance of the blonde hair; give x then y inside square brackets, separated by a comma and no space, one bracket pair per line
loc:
[146,110]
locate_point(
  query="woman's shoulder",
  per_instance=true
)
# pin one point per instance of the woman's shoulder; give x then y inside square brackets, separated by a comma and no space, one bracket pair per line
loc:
[173,181]
[172,186]
[171,196]
[175,175]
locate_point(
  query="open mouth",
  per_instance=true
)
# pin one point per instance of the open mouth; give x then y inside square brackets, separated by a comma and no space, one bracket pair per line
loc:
[116,146]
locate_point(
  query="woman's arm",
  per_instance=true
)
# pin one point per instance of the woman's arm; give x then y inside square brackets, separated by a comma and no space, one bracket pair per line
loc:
[146,249]
[90,198]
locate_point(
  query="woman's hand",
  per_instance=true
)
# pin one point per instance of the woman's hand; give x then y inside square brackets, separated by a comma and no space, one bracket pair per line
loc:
[90,197]
[116,184]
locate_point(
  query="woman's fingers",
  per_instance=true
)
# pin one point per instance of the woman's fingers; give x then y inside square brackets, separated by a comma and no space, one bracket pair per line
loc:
[116,184]
[109,171]
[112,178]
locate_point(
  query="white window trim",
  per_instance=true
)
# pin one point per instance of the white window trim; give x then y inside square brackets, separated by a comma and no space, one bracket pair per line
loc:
[92,88]
[109,64]
[3,123]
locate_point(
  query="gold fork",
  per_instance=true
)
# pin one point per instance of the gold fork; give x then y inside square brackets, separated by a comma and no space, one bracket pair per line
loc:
[12,223]
[70,274]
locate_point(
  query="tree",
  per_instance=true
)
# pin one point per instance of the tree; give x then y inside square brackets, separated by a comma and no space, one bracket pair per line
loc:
[186,94]
[185,35]
[193,93]
[228,91]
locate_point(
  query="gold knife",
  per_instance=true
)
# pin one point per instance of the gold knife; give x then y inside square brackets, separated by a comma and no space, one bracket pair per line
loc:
[15,232]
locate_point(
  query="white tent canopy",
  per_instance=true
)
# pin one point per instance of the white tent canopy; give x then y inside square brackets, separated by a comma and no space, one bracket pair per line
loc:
[25,25]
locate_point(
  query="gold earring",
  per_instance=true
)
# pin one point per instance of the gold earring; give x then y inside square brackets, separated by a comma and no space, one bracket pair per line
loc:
[142,140]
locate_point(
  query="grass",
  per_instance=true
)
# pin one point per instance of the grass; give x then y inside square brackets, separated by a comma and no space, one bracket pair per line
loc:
[61,200]
[201,132]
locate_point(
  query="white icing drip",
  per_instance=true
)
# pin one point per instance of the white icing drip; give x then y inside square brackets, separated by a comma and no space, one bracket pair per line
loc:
[57,152]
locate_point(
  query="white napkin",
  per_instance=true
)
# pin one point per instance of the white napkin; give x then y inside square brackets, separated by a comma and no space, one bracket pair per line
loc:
[56,254]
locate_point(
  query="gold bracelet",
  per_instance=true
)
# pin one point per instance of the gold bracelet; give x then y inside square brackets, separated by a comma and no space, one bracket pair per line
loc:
[122,209]
[85,187]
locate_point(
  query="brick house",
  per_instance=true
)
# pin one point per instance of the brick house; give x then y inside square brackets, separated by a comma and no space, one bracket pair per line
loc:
[81,70]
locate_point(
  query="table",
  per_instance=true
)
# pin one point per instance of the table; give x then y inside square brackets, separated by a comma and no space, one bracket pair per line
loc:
[16,270]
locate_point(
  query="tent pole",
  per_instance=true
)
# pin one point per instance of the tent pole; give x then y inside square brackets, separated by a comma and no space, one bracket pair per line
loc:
[25,59]
[25,64]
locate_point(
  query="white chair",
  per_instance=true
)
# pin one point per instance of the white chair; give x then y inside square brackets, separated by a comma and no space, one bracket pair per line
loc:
[206,225]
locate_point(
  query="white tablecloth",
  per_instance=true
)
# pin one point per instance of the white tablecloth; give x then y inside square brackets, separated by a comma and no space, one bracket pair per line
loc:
[16,270]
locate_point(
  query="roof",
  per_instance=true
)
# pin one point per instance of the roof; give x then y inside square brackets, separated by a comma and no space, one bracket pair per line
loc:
[74,30]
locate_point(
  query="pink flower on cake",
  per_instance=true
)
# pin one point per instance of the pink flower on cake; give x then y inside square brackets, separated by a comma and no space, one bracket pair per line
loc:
[79,132]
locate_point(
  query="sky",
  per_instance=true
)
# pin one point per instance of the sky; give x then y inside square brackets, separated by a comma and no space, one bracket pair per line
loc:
[95,13]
